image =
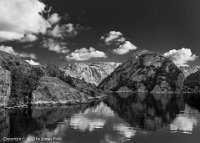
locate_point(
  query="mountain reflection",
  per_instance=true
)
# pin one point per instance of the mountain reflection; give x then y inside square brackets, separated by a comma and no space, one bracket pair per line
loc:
[122,117]
[147,111]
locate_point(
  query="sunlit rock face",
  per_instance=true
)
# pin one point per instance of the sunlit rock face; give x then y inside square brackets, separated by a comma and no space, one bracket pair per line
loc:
[93,73]
[54,91]
[145,71]
[5,86]
[187,70]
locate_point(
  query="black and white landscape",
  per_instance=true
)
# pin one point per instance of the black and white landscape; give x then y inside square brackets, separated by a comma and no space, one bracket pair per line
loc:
[99,71]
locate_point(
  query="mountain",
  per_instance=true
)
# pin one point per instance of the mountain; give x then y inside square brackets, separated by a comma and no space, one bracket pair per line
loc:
[145,71]
[93,73]
[51,90]
[187,70]
[22,84]
[192,82]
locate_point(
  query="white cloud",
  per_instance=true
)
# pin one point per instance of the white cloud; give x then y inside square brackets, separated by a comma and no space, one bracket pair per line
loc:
[124,48]
[6,35]
[85,54]
[20,17]
[31,62]
[181,57]
[113,37]
[54,18]
[10,50]
[65,30]
[28,38]
[27,55]
[56,46]
[7,49]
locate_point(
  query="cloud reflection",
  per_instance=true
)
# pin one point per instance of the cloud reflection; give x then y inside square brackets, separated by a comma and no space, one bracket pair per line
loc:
[82,123]
[127,132]
[183,124]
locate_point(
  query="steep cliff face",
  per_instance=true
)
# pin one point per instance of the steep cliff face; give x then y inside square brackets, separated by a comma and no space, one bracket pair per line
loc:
[51,90]
[5,86]
[145,71]
[92,73]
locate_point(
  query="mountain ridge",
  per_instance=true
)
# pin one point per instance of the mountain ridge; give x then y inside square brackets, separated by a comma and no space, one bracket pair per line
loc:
[92,73]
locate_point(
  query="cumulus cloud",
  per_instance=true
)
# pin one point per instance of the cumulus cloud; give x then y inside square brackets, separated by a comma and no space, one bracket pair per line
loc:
[85,54]
[7,49]
[65,30]
[27,55]
[181,57]
[113,37]
[21,17]
[56,46]
[31,62]
[10,50]
[28,38]
[54,18]
[126,47]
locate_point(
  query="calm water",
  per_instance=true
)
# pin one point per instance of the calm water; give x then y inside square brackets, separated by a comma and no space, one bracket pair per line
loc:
[121,118]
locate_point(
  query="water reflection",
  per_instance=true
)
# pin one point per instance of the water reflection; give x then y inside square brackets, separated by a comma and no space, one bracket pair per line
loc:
[120,118]
[146,111]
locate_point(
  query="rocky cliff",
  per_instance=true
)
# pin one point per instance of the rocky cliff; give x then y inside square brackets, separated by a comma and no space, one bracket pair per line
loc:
[5,86]
[51,90]
[145,71]
[93,73]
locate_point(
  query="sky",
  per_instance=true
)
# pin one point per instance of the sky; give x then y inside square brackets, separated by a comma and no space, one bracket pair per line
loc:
[68,31]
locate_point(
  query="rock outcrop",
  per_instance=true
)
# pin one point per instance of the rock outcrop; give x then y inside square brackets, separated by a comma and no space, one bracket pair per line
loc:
[192,82]
[93,73]
[187,70]
[51,90]
[5,86]
[145,71]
